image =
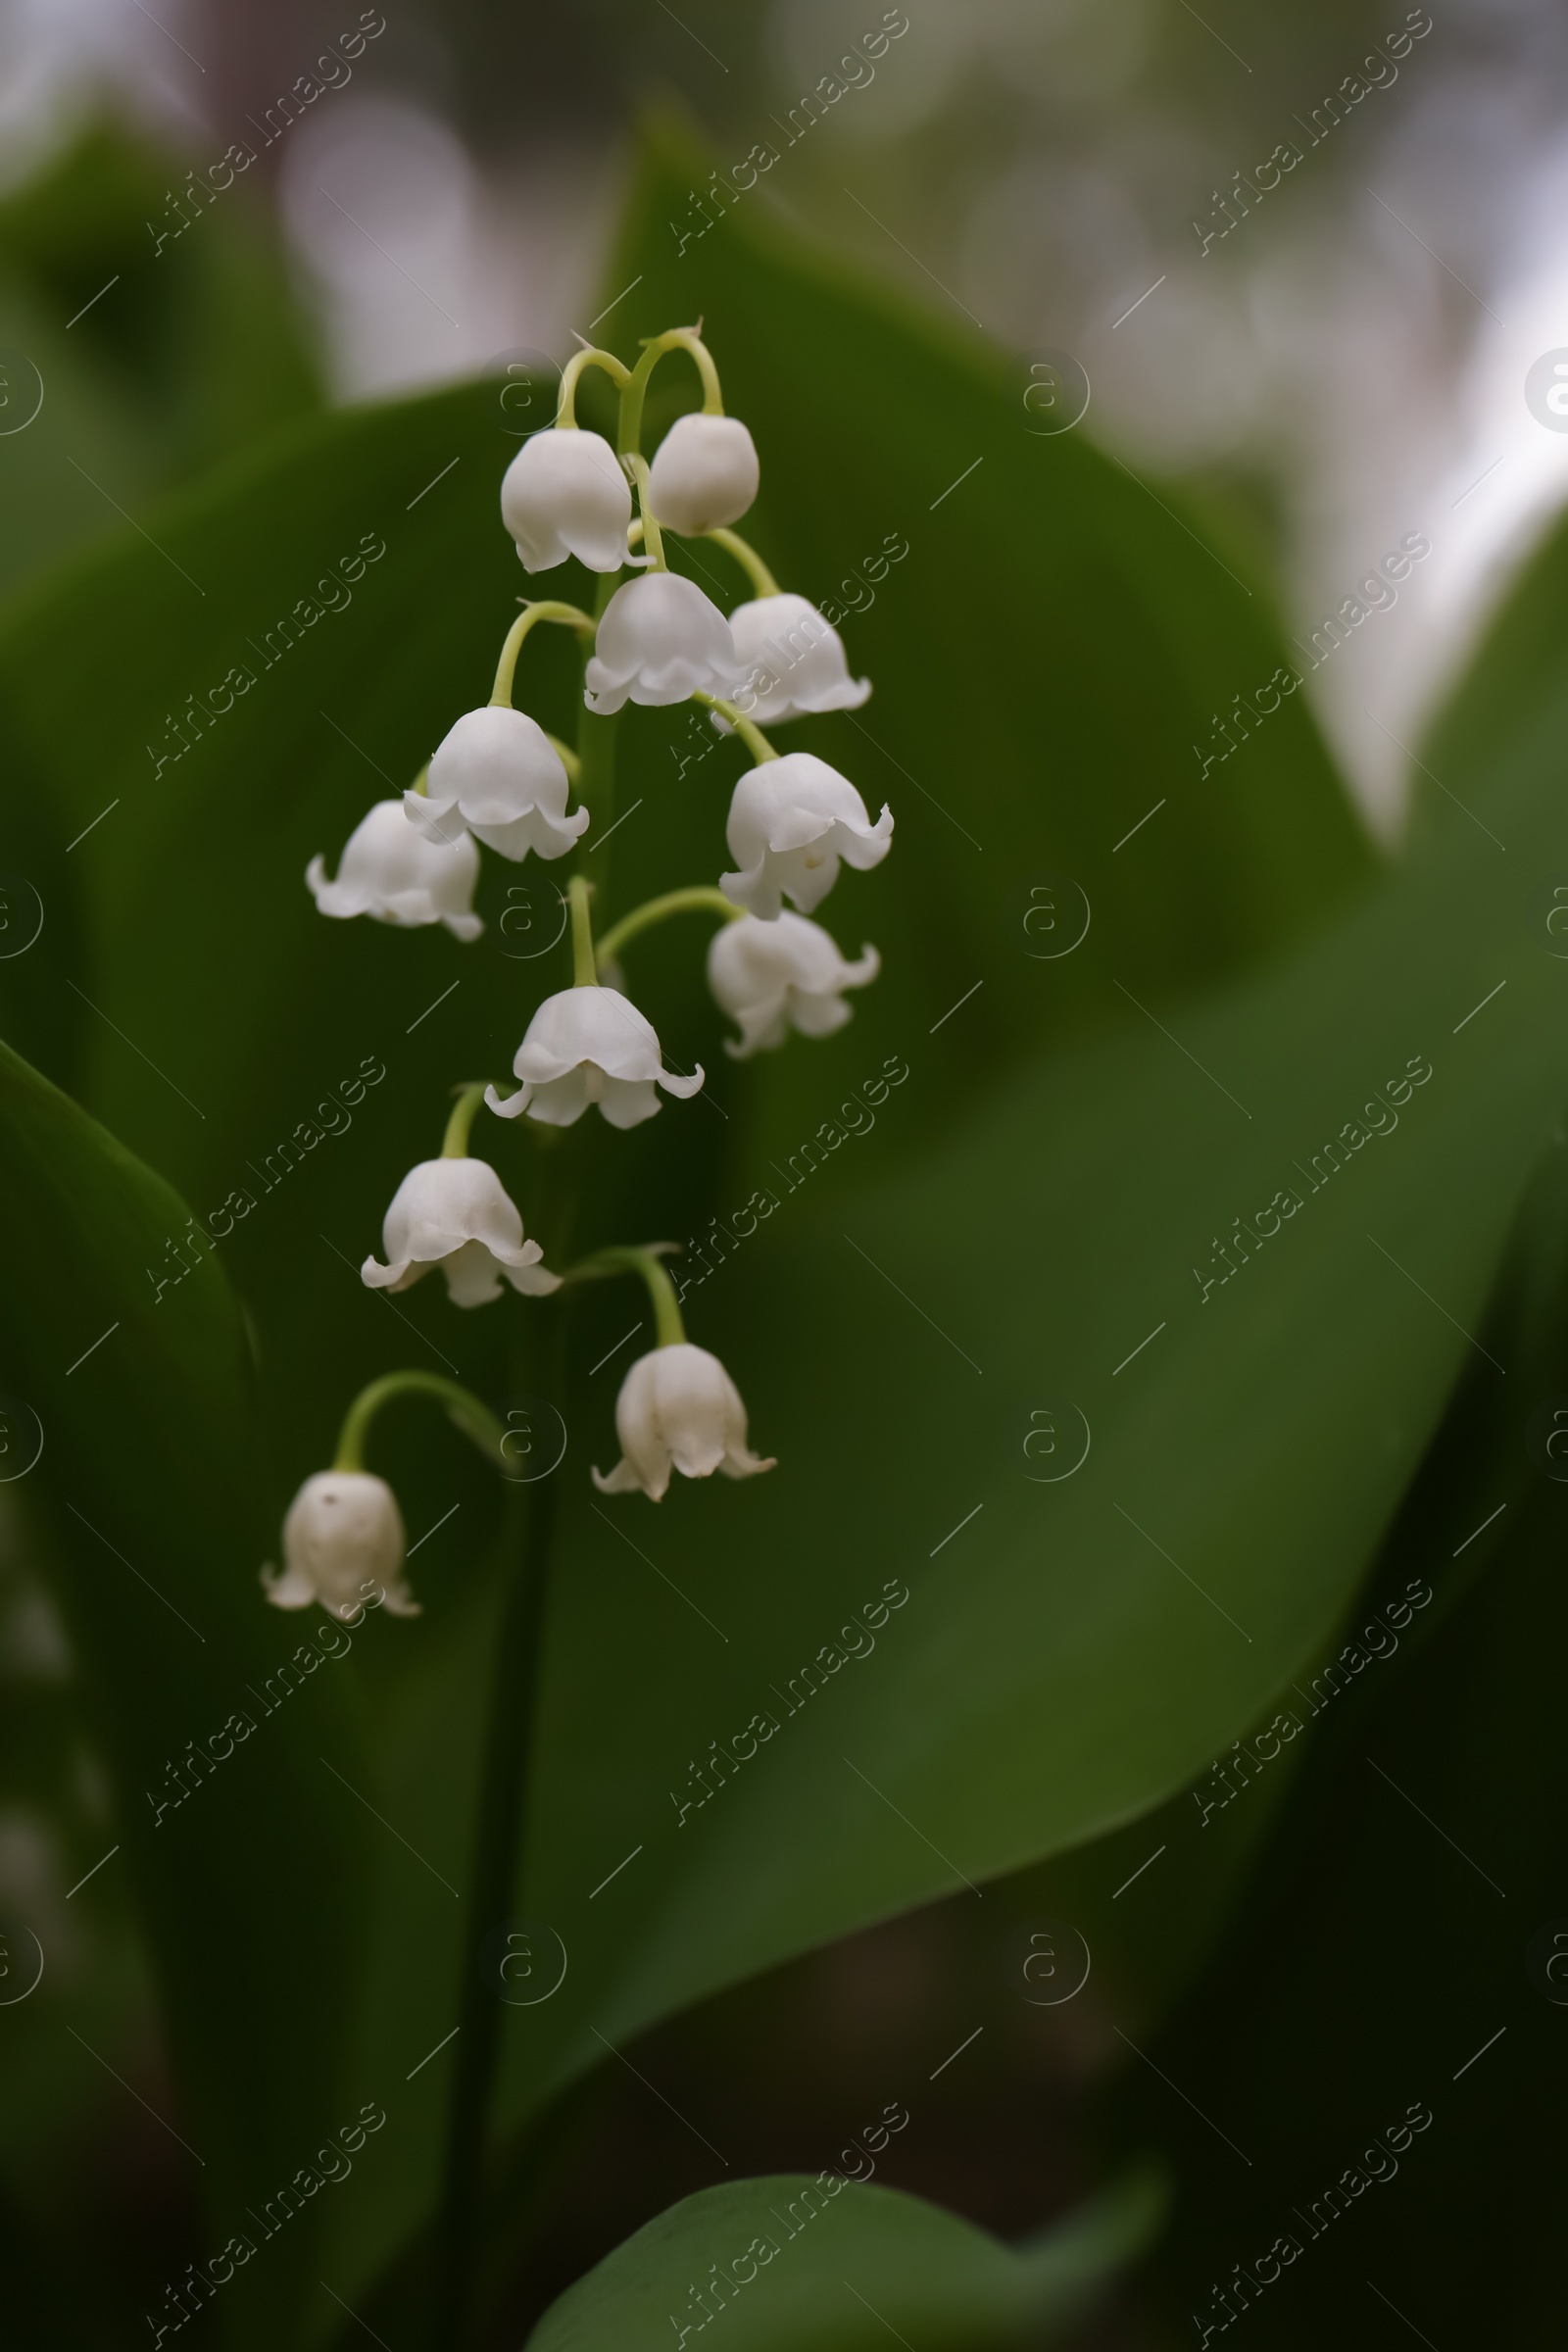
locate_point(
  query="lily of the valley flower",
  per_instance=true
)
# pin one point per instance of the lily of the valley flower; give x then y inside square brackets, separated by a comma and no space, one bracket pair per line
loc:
[565,494]
[343,1545]
[786,974]
[794,660]
[498,773]
[455,1214]
[789,822]
[704,474]
[396,874]
[590,1045]
[678,1408]
[661,640]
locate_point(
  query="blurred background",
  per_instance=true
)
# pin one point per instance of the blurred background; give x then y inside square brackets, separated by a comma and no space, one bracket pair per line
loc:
[1344,360]
[1340,360]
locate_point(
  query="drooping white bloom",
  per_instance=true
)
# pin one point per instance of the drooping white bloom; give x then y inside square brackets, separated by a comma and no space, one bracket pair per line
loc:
[455,1214]
[659,640]
[794,660]
[789,822]
[565,494]
[390,871]
[343,1545]
[678,1407]
[498,773]
[704,473]
[772,977]
[590,1045]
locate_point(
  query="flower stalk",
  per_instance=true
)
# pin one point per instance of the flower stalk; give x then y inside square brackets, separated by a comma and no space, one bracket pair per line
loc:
[455,1143]
[546,609]
[747,557]
[618,371]
[751,735]
[646,1260]
[636,465]
[699,896]
[584,970]
[462,1410]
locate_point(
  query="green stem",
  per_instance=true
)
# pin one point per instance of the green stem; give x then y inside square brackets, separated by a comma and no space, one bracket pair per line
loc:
[647,1261]
[754,739]
[546,610]
[584,970]
[652,539]
[596,745]
[463,1410]
[455,1143]
[496,1882]
[678,339]
[750,560]
[421,782]
[653,910]
[567,404]
[567,756]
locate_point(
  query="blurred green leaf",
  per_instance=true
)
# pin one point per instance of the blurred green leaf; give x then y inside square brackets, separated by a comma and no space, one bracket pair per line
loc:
[856,2262]
[1408,1902]
[148,1482]
[1409,1907]
[152,360]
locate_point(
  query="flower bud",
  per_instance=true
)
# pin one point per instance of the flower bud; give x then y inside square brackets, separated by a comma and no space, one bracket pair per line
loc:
[497,772]
[786,974]
[678,1407]
[794,660]
[390,871]
[343,1546]
[590,1045]
[704,473]
[565,494]
[455,1214]
[659,641]
[789,822]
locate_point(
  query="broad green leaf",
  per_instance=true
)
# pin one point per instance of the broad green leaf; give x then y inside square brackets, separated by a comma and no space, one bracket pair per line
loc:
[1414,1888]
[1412,1908]
[251,1881]
[855,2262]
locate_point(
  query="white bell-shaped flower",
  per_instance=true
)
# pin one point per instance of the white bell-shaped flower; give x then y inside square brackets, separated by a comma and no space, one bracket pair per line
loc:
[590,1045]
[396,874]
[455,1214]
[794,660]
[343,1545]
[659,640]
[498,773]
[704,473]
[565,494]
[786,974]
[678,1408]
[789,822]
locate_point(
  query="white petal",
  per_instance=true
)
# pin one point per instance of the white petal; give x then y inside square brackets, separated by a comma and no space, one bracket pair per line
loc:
[564,494]
[497,764]
[659,641]
[795,660]
[704,474]
[391,870]
[343,1533]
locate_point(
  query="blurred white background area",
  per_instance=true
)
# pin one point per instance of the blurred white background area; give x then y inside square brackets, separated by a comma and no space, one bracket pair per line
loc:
[1334,364]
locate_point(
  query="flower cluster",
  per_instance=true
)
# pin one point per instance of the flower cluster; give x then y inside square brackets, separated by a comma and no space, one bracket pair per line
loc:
[499,781]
